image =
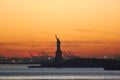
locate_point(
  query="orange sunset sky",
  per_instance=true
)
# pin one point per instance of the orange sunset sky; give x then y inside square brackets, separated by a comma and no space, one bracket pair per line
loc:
[88,28]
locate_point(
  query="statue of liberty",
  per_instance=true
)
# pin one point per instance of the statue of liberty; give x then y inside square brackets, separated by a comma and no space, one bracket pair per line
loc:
[58,42]
[58,56]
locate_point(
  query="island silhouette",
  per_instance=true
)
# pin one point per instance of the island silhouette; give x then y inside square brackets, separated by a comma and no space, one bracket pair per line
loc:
[76,62]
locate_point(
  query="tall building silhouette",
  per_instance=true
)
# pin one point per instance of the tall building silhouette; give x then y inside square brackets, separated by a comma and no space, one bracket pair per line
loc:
[58,56]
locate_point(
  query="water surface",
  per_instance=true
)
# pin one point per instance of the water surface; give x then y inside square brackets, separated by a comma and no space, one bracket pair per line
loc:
[21,72]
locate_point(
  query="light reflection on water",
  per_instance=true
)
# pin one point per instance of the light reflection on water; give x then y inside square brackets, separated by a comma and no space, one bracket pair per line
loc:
[22,72]
[64,77]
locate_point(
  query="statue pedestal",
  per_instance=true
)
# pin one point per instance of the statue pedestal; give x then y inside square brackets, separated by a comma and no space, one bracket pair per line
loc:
[58,57]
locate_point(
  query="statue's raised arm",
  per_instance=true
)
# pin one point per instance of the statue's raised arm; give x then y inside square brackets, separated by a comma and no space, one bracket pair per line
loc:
[58,41]
[56,37]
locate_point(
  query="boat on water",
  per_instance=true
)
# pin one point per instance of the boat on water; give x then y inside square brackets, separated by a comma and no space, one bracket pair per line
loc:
[34,66]
[112,68]
[105,68]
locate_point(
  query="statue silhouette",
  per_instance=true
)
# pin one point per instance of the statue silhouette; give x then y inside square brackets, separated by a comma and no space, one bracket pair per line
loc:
[58,42]
[58,57]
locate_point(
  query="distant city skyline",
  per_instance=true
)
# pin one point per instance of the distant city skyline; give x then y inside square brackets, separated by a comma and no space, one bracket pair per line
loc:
[87,28]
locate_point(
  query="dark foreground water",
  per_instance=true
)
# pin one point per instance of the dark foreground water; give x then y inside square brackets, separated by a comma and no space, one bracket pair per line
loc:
[21,72]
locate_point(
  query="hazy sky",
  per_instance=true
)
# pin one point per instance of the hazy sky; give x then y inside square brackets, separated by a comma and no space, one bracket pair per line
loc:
[85,27]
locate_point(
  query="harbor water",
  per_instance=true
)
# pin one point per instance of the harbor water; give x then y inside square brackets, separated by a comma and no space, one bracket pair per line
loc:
[22,72]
